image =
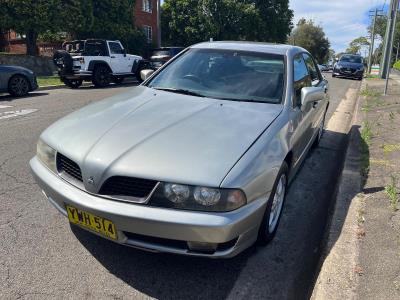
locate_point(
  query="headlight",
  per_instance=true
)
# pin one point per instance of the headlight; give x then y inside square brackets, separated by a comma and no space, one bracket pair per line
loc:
[46,155]
[206,196]
[176,193]
[171,195]
[361,68]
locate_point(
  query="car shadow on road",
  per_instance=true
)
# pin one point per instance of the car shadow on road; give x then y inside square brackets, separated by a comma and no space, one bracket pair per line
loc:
[165,276]
[7,97]
[285,269]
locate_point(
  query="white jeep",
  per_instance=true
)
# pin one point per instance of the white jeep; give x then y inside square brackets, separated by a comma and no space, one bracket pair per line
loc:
[99,61]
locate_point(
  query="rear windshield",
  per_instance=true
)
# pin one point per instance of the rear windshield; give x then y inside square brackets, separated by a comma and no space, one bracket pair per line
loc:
[161,53]
[351,58]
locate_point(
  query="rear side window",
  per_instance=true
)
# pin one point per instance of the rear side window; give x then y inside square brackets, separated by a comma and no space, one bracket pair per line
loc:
[301,77]
[115,48]
[312,68]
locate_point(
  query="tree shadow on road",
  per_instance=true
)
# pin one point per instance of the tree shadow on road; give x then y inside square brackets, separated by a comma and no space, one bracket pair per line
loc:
[284,269]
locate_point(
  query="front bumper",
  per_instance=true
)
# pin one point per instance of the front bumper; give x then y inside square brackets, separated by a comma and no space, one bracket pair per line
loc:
[33,83]
[348,73]
[237,229]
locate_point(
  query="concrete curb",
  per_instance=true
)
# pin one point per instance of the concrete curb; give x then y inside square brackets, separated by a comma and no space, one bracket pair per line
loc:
[338,278]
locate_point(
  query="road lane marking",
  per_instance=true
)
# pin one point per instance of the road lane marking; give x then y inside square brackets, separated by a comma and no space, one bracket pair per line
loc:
[5,106]
[16,113]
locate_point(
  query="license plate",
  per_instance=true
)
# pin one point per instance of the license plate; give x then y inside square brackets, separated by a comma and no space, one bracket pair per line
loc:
[87,220]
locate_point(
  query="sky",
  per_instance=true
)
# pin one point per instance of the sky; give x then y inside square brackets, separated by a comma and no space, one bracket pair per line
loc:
[342,20]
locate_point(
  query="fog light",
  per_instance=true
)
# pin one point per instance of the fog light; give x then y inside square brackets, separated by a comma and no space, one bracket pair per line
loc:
[202,247]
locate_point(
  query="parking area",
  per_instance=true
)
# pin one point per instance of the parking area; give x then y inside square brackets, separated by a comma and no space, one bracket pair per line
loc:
[43,257]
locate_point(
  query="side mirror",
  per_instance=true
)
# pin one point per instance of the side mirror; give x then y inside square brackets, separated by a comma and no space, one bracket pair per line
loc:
[144,74]
[124,52]
[311,94]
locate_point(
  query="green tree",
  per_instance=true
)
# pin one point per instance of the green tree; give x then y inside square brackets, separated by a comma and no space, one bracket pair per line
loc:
[186,22]
[30,17]
[312,38]
[380,30]
[111,19]
[357,44]
[276,19]
[332,54]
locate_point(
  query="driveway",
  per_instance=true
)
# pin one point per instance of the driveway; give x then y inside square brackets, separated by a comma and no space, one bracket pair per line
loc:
[42,257]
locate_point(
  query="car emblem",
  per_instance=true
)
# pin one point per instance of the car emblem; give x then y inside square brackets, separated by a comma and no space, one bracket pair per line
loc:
[90,180]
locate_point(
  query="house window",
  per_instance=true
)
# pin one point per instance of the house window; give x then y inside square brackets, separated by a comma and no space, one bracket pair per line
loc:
[148,32]
[147,6]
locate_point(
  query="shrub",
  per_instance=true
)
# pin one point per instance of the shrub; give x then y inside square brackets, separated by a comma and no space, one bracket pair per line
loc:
[397,65]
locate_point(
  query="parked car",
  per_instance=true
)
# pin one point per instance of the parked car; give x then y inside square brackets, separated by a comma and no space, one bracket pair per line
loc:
[349,66]
[161,55]
[158,58]
[17,81]
[323,68]
[99,61]
[196,160]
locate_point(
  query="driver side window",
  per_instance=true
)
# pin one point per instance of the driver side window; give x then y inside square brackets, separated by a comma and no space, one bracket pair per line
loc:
[314,72]
[301,78]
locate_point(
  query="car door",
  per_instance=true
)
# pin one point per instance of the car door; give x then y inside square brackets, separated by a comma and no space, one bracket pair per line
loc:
[301,118]
[120,62]
[3,79]
[317,81]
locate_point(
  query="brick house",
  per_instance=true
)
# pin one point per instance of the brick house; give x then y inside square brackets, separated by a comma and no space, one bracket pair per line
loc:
[147,18]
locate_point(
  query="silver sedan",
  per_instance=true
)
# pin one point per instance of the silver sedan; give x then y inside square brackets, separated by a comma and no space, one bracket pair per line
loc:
[197,159]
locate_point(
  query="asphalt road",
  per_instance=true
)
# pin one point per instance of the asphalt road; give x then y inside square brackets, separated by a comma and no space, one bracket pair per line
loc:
[42,257]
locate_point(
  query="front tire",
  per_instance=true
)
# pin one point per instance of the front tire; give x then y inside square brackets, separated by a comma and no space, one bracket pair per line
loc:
[18,86]
[101,76]
[273,212]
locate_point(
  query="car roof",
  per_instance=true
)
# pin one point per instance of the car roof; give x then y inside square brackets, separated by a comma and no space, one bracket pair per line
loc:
[251,46]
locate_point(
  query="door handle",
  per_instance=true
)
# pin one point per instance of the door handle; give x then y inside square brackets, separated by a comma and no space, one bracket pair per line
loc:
[315,103]
[112,56]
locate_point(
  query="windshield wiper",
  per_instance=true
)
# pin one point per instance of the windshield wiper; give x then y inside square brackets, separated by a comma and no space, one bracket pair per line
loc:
[245,100]
[180,91]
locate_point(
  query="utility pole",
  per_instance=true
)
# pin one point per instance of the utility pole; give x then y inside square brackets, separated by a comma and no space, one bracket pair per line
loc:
[372,45]
[388,48]
[394,6]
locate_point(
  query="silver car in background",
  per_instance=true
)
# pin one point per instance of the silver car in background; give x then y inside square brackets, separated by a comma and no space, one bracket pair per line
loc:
[196,160]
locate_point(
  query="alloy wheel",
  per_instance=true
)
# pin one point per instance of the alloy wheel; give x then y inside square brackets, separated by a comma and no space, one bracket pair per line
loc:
[277,204]
[19,86]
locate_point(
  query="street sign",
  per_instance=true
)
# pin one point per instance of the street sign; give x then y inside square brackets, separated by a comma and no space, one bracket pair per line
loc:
[375,70]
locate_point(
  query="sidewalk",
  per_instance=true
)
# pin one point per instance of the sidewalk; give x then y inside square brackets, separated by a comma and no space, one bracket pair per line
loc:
[379,258]
[362,257]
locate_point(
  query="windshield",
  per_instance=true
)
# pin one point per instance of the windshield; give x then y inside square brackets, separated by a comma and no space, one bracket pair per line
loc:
[225,74]
[351,58]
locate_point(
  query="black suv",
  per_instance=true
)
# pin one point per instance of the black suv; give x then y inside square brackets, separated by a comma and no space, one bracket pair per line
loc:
[350,66]
[160,56]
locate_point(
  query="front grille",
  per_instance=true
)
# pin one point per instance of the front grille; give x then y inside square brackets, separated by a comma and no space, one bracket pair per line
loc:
[64,164]
[128,187]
